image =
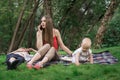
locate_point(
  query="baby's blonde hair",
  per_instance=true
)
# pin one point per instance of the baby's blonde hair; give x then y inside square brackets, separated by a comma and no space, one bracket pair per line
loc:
[86,43]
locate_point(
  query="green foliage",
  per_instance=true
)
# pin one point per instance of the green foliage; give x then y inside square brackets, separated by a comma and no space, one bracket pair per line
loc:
[112,37]
[10,11]
[78,17]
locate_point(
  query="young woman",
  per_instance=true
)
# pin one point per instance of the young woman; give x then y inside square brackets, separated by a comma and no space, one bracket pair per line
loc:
[48,41]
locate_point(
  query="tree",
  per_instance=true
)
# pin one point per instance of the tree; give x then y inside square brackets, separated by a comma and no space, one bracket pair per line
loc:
[107,16]
[12,47]
[16,41]
[47,7]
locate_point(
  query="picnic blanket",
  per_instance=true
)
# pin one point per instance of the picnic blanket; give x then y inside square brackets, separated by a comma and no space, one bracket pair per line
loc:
[104,57]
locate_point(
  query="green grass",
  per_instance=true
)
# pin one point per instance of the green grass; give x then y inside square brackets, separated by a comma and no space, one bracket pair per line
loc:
[61,72]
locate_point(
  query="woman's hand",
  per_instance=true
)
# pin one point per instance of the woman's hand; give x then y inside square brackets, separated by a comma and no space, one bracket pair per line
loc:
[40,28]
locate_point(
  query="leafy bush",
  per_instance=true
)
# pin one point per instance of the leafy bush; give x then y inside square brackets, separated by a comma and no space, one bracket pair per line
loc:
[112,37]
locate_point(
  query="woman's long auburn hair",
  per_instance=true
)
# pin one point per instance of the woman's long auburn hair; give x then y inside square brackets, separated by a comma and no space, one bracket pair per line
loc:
[48,31]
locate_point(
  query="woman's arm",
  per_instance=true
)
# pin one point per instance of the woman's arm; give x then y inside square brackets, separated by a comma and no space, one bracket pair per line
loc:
[61,43]
[39,42]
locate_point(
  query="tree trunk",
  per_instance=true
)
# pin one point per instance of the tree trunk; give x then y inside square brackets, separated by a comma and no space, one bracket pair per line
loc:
[30,36]
[107,16]
[94,22]
[87,7]
[19,42]
[47,7]
[17,27]
[66,13]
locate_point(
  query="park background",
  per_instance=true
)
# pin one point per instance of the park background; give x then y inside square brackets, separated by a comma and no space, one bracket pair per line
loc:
[76,19]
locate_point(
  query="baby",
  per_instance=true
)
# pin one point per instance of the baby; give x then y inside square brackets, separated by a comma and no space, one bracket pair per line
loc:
[84,53]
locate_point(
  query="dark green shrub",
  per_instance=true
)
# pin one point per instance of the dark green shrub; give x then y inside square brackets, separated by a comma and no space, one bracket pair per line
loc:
[112,37]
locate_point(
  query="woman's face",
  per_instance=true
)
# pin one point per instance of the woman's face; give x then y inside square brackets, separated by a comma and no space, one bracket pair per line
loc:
[43,22]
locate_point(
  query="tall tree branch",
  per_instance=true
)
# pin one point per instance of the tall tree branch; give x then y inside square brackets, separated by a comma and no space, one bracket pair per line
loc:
[107,16]
[17,27]
[27,23]
[67,11]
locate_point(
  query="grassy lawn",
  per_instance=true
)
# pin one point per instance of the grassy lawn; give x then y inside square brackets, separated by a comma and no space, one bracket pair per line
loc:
[61,72]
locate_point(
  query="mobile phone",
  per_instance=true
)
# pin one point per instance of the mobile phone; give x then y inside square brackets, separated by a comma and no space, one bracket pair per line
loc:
[41,27]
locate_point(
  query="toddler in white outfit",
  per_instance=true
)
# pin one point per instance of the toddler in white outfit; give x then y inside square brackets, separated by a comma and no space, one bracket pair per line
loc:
[84,53]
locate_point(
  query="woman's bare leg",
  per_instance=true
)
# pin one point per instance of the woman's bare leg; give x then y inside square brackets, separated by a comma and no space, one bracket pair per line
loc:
[50,54]
[41,52]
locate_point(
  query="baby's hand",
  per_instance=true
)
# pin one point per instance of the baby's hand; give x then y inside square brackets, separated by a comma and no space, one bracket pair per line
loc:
[77,64]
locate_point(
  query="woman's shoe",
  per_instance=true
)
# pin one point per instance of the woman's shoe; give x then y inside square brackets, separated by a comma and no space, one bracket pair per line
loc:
[37,66]
[29,66]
